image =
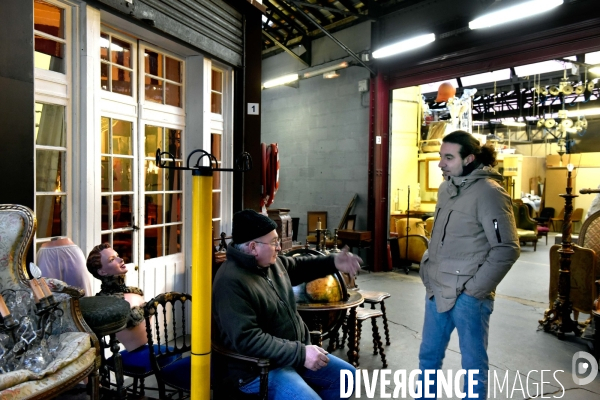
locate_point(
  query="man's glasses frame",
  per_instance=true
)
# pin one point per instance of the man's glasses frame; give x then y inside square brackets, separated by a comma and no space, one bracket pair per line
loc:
[273,244]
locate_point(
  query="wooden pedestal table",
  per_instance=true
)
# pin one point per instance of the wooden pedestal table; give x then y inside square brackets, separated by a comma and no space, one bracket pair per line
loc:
[327,318]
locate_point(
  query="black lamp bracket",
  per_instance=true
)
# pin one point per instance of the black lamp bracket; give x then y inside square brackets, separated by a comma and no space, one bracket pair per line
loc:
[243,162]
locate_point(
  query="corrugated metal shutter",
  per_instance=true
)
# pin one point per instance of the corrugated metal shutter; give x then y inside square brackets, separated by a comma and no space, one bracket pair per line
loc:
[210,25]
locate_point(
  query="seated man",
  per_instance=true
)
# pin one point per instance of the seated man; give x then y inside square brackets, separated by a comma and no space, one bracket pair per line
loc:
[254,312]
[104,264]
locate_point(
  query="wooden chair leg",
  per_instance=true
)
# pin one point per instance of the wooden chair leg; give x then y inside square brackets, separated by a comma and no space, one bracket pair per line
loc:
[94,385]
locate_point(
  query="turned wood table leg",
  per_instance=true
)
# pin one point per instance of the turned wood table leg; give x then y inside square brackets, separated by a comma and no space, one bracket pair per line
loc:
[352,338]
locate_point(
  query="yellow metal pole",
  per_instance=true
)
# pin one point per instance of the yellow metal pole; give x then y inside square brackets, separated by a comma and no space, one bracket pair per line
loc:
[201,282]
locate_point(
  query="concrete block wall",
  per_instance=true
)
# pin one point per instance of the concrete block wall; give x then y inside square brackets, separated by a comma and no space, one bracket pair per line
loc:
[321,128]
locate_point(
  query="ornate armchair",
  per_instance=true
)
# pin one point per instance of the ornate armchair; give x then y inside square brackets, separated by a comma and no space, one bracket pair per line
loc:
[77,355]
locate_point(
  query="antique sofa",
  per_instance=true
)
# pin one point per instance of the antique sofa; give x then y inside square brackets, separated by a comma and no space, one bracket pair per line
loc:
[78,354]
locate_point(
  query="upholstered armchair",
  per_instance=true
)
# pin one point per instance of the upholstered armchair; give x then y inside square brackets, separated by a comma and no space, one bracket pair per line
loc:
[527,228]
[77,354]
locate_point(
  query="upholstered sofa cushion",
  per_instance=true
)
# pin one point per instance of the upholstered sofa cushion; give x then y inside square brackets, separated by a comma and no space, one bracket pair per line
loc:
[53,382]
[72,346]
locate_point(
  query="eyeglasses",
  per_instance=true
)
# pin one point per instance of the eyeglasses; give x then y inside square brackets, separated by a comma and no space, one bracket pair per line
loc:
[273,243]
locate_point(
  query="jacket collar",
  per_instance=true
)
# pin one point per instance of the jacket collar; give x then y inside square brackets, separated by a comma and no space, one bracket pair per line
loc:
[458,183]
[246,261]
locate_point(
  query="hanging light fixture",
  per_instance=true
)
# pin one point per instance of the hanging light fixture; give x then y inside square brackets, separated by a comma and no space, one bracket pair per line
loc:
[282,80]
[512,13]
[325,70]
[404,45]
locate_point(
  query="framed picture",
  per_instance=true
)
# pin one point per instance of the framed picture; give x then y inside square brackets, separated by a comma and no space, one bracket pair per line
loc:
[351,222]
[313,218]
[433,175]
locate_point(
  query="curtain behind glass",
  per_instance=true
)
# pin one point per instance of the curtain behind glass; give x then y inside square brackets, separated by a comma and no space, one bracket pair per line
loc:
[50,170]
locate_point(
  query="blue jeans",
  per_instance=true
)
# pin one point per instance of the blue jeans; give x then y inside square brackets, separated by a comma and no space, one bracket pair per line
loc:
[288,383]
[471,318]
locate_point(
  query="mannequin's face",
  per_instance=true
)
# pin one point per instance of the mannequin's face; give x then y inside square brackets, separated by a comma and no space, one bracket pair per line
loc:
[112,264]
[451,162]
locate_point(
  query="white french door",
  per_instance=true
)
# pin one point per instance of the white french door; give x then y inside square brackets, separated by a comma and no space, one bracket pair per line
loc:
[142,110]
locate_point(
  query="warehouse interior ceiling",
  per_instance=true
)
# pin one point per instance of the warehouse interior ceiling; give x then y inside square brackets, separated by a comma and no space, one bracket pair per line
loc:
[291,25]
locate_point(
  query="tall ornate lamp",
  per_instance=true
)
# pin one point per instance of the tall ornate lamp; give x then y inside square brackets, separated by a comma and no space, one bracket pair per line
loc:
[558,318]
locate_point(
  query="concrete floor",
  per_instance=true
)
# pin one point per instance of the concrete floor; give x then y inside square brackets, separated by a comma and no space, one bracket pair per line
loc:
[515,343]
[517,349]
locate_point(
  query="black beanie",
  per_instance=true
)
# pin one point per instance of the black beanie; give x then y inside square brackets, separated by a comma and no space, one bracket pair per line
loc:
[248,225]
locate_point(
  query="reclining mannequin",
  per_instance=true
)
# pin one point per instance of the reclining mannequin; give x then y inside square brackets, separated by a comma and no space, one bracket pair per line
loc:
[105,264]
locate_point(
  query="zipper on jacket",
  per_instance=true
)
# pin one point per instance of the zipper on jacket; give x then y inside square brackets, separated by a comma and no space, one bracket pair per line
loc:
[445,226]
[497,231]
[290,314]
[437,214]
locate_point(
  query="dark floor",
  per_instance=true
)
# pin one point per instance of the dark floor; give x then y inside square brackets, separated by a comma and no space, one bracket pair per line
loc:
[516,344]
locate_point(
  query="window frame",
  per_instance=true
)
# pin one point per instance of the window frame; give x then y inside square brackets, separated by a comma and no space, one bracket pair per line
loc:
[56,88]
[110,95]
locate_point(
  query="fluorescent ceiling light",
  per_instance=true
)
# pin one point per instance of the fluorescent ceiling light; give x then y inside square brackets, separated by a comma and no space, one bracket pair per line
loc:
[282,80]
[513,123]
[324,70]
[592,58]
[595,70]
[404,45]
[513,13]
[495,76]
[543,67]
[588,111]
[331,75]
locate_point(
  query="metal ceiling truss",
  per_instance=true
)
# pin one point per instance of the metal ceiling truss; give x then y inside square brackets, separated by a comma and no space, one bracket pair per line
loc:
[526,104]
[310,17]
[290,23]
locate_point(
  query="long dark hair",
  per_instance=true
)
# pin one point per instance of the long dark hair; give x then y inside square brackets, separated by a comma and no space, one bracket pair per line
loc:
[485,155]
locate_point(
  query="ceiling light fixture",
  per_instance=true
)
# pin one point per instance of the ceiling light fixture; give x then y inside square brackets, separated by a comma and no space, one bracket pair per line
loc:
[282,80]
[584,112]
[404,45]
[331,75]
[513,123]
[513,13]
[595,70]
[324,70]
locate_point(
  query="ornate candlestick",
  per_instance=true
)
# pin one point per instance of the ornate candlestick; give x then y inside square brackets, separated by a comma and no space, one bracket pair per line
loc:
[558,318]
[335,240]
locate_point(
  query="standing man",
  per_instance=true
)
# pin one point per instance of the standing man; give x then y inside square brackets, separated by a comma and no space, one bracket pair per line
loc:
[473,245]
[254,312]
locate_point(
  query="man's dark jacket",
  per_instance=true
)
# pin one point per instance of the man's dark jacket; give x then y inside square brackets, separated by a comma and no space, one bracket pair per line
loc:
[254,309]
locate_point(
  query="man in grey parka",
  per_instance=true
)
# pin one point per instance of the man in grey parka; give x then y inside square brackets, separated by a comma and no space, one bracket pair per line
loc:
[473,245]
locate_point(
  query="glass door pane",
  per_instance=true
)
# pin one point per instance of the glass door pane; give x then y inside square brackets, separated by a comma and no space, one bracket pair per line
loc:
[118,176]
